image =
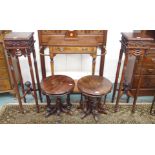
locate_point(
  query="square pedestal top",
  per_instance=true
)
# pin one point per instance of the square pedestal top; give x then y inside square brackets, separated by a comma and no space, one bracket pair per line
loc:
[18,36]
[136,36]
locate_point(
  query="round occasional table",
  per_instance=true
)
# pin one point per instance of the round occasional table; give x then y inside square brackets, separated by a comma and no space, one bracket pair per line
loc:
[58,86]
[92,89]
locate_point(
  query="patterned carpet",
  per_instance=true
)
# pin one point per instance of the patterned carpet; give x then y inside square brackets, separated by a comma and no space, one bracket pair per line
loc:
[9,114]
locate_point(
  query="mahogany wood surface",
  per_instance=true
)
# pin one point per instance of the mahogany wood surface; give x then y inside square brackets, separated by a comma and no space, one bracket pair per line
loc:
[94,85]
[92,88]
[57,85]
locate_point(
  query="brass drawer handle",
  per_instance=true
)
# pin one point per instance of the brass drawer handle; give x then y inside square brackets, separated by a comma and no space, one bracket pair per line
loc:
[84,49]
[150,70]
[153,59]
[61,49]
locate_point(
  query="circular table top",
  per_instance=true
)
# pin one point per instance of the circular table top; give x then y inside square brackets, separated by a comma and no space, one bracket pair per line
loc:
[94,85]
[57,85]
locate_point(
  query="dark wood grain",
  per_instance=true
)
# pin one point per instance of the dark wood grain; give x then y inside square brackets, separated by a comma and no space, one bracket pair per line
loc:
[94,85]
[92,89]
[57,85]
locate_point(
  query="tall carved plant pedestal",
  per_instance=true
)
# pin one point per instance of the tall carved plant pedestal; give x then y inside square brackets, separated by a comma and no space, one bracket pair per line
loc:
[19,44]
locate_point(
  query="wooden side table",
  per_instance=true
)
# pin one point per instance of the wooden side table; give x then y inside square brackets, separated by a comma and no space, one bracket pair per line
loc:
[137,77]
[92,89]
[19,44]
[58,86]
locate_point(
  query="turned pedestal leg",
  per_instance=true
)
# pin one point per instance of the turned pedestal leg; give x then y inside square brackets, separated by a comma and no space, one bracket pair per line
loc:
[15,83]
[102,107]
[37,74]
[81,102]
[138,86]
[52,65]
[151,110]
[102,61]
[57,108]
[117,74]
[43,69]
[20,77]
[42,61]
[93,65]
[121,82]
[69,105]
[33,81]
[94,110]
[86,107]
[93,105]
[128,99]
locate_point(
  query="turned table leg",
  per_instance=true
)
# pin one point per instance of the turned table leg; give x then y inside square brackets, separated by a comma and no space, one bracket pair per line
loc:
[15,83]
[81,102]
[153,102]
[128,99]
[20,77]
[102,107]
[93,65]
[138,86]
[43,69]
[117,74]
[37,74]
[92,105]
[69,105]
[58,107]
[121,82]
[103,50]
[33,81]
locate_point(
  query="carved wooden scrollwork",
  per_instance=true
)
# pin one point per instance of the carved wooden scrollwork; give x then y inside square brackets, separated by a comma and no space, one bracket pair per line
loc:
[136,52]
[71,35]
[19,43]
[136,44]
[17,52]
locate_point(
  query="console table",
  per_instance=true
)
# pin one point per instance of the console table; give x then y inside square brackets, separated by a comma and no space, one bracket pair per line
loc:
[72,42]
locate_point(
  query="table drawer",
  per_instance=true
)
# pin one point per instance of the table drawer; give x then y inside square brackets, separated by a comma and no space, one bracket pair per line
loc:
[80,32]
[73,50]
[148,81]
[146,71]
[60,40]
[5,85]
[148,67]
[143,92]
[4,73]
[151,53]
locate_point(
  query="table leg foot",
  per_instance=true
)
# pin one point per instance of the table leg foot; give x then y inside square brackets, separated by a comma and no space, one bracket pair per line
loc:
[116,109]
[50,111]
